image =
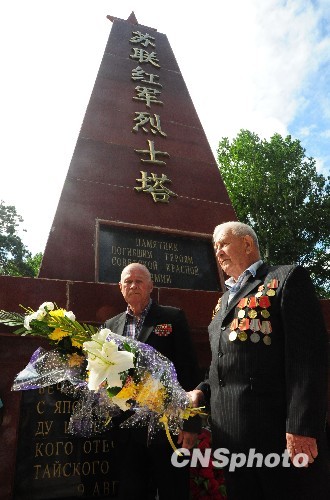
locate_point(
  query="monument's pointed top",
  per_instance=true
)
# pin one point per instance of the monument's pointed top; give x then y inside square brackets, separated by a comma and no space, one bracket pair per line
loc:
[131,19]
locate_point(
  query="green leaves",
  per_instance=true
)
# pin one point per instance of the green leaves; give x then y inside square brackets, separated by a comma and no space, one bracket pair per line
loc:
[276,189]
[15,258]
[11,318]
[113,391]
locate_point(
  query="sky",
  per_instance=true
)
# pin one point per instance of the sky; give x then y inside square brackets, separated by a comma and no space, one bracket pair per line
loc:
[269,61]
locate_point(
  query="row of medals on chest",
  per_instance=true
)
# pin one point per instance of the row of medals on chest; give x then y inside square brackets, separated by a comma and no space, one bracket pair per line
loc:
[247,318]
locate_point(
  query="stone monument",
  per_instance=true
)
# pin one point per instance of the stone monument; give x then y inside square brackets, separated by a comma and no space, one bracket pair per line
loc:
[143,186]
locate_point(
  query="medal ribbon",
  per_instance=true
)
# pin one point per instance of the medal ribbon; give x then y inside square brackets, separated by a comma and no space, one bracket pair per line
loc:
[242,303]
[266,327]
[264,302]
[273,283]
[244,324]
[253,302]
[234,324]
[255,325]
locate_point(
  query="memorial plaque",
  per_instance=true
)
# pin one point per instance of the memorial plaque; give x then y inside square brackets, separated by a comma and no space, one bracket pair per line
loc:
[52,463]
[174,261]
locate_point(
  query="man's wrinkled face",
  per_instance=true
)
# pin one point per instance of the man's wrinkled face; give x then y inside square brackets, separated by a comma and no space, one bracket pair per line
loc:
[136,286]
[233,253]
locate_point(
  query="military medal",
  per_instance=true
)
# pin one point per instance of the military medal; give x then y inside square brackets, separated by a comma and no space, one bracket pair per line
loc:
[242,336]
[267,340]
[163,330]
[232,336]
[255,337]
[217,307]
[254,319]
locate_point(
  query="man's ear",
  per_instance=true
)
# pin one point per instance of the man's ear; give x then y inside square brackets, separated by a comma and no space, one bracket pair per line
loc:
[249,243]
[120,285]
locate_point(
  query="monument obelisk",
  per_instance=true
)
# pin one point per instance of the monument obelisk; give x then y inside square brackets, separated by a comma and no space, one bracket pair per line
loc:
[143,186]
[142,162]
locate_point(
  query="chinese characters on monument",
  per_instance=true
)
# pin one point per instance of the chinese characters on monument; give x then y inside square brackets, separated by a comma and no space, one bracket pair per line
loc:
[153,183]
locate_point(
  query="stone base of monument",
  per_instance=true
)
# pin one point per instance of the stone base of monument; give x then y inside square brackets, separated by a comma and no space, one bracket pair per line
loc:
[39,459]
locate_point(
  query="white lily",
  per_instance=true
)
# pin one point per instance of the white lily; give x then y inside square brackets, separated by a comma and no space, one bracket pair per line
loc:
[27,320]
[70,315]
[105,362]
[48,305]
[98,339]
[39,315]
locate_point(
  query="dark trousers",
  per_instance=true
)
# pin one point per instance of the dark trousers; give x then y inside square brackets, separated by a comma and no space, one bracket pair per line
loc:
[281,483]
[146,468]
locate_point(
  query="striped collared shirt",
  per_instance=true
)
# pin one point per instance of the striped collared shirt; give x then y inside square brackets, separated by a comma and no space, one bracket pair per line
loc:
[234,286]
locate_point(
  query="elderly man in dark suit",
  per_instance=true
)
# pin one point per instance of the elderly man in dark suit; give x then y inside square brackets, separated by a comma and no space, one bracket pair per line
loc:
[166,329]
[268,375]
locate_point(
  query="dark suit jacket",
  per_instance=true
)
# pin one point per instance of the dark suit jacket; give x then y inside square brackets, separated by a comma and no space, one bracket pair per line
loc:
[177,346]
[259,392]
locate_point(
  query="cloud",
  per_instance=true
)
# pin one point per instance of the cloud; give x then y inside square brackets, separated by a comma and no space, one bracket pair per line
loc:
[321,168]
[287,49]
[306,131]
[326,133]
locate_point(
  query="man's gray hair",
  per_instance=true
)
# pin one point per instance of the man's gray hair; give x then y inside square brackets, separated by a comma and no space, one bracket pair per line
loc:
[237,229]
[136,264]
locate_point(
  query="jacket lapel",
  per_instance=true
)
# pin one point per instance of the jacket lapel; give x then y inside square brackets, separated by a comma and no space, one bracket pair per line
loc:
[149,324]
[223,307]
[145,333]
[120,324]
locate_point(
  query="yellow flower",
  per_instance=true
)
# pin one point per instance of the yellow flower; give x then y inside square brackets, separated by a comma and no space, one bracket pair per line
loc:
[59,313]
[75,360]
[128,392]
[151,394]
[76,343]
[58,334]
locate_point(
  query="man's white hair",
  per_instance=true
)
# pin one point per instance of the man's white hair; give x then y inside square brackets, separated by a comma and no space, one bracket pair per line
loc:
[237,229]
[140,266]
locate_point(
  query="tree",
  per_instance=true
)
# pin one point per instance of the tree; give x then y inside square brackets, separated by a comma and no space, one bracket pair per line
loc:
[15,258]
[276,189]
[34,263]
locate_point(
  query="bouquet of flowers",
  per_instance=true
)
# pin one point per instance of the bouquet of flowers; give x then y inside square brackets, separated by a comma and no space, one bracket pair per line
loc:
[109,373]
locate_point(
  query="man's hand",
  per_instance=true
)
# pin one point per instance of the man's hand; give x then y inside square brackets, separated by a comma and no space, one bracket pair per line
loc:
[196,397]
[301,444]
[187,439]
